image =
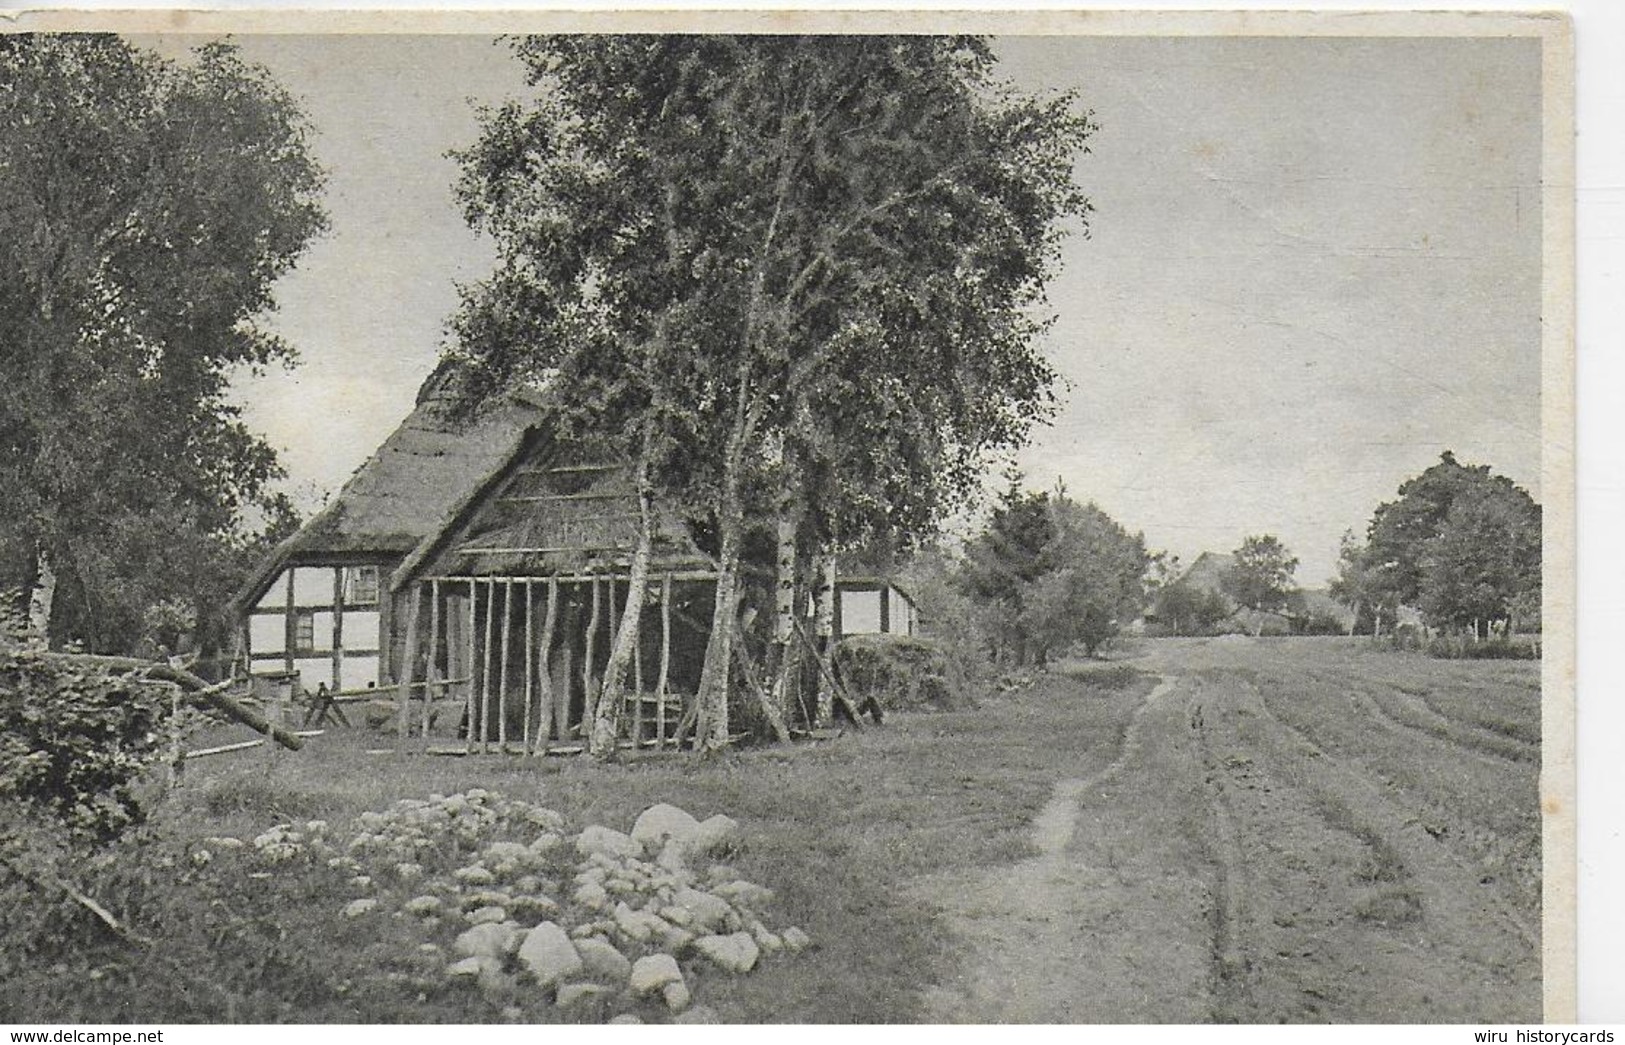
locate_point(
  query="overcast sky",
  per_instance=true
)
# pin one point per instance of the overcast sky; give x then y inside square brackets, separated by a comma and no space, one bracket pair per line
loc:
[1314,264]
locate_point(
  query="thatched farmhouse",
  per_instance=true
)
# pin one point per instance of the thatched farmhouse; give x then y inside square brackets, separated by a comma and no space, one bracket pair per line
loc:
[488,564]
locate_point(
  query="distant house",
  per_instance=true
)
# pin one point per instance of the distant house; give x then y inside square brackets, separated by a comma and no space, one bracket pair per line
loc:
[488,564]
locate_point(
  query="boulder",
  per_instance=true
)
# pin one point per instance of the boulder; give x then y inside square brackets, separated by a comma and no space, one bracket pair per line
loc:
[603,962]
[548,955]
[652,972]
[532,908]
[471,968]
[625,1018]
[714,835]
[482,915]
[736,952]
[675,995]
[488,939]
[484,898]
[641,926]
[744,894]
[357,908]
[474,874]
[606,842]
[708,913]
[673,858]
[592,896]
[662,822]
[769,941]
[795,939]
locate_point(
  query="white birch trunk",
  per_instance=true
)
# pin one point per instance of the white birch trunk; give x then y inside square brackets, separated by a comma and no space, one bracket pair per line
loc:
[41,600]
[606,727]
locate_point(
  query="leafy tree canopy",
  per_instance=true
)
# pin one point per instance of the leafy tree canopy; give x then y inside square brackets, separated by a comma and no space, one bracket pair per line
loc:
[1261,577]
[1058,572]
[148,208]
[1461,543]
[738,252]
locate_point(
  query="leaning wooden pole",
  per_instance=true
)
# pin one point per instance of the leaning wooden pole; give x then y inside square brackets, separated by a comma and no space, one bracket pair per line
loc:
[409,664]
[589,700]
[212,694]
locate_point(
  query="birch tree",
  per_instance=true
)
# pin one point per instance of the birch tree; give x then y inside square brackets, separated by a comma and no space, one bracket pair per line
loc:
[811,265]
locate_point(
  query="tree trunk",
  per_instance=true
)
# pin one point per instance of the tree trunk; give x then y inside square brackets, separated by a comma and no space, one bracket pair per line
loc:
[824,629]
[784,660]
[41,599]
[606,726]
[711,733]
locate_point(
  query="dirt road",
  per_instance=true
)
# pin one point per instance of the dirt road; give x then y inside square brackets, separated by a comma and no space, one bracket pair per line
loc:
[1289,831]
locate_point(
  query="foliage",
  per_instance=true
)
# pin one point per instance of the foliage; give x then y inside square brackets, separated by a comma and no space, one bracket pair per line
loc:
[807,265]
[1261,575]
[1459,647]
[1460,543]
[1188,609]
[74,741]
[1358,585]
[1058,573]
[149,208]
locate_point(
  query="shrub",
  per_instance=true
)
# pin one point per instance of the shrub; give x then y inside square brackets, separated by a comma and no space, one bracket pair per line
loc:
[1460,647]
[900,672]
[75,740]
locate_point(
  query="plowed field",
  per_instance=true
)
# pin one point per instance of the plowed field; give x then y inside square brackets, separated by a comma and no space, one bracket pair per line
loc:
[1288,830]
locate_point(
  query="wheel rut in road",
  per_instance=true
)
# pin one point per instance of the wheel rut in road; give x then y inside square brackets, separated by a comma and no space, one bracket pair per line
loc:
[1228,866]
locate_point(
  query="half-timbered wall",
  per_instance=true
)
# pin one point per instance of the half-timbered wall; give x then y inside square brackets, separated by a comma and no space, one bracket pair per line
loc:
[325,622]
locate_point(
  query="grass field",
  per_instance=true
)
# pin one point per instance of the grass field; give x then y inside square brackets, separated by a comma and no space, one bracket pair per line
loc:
[836,828]
[1252,830]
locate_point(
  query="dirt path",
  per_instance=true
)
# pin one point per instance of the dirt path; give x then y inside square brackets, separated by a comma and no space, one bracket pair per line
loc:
[1268,843]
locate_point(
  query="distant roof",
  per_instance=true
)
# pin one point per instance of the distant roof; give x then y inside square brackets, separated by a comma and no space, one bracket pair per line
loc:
[404,491]
[1209,571]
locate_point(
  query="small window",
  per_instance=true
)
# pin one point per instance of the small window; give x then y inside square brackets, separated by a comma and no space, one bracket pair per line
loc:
[304,632]
[360,585]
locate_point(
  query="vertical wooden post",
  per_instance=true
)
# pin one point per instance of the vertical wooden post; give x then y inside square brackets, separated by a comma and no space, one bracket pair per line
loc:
[637,682]
[530,664]
[545,715]
[336,646]
[473,617]
[485,675]
[408,668]
[567,667]
[665,661]
[589,703]
[502,685]
[432,690]
[290,629]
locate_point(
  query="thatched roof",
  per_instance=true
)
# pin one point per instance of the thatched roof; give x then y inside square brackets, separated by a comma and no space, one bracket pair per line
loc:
[553,508]
[405,490]
[1209,572]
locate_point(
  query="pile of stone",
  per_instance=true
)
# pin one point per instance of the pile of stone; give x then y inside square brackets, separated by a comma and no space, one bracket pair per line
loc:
[602,922]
